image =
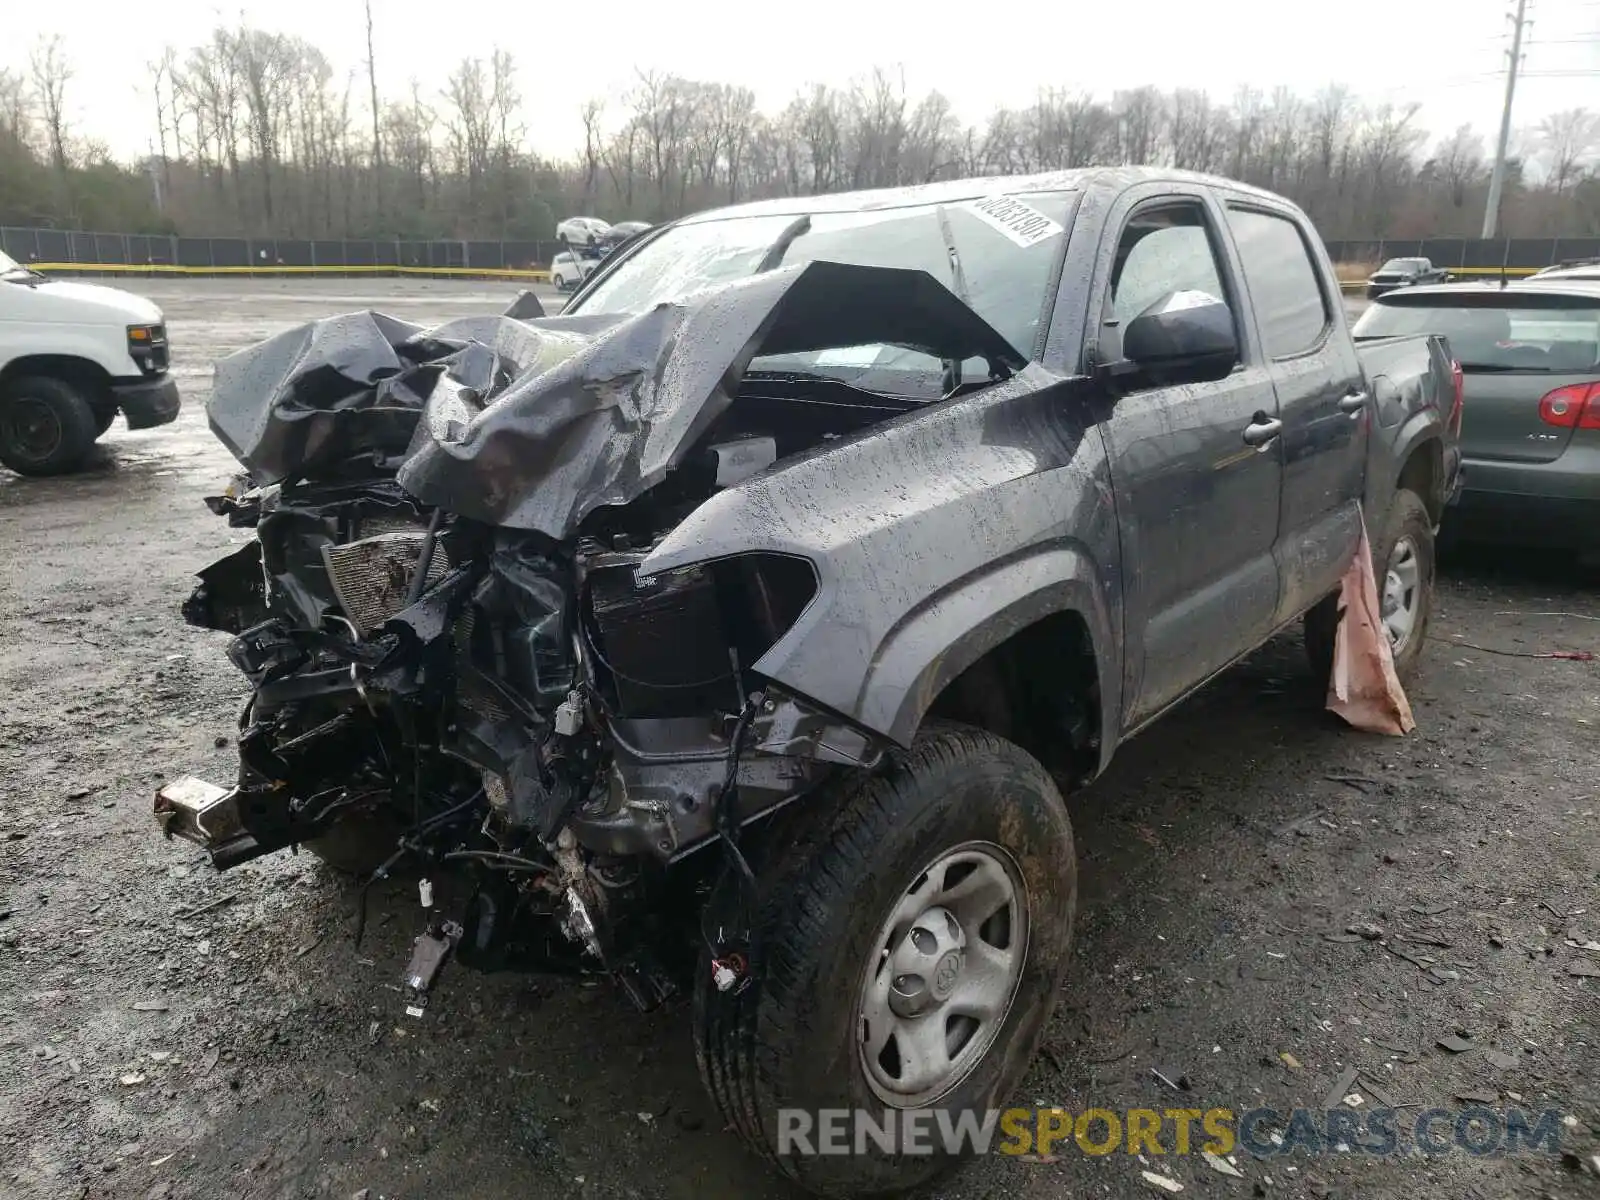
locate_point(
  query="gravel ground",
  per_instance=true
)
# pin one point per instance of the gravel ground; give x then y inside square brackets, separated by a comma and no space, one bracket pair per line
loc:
[249,1051]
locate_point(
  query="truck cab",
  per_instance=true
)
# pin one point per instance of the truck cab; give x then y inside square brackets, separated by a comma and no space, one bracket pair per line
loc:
[72,356]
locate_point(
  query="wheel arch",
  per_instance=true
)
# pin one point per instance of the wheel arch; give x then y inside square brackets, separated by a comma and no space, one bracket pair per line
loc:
[1415,461]
[82,372]
[989,634]
[1422,472]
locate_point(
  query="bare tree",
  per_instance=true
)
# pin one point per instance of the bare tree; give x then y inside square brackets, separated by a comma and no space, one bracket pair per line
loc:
[933,141]
[621,162]
[1569,140]
[663,106]
[267,66]
[593,143]
[1458,162]
[16,112]
[258,133]
[51,72]
[739,118]
[468,126]
[878,110]
[410,129]
[821,131]
[377,117]
[1140,114]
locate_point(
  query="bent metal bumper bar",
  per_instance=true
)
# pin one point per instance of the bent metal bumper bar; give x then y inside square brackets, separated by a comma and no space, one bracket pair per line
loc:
[206,815]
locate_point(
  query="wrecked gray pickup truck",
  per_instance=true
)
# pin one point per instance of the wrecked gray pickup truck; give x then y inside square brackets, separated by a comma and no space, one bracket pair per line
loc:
[740,627]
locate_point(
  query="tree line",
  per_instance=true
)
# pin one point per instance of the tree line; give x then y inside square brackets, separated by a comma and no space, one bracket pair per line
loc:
[254,133]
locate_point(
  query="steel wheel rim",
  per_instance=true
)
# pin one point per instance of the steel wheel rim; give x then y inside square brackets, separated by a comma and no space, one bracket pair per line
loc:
[1402,589]
[942,975]
[32,427]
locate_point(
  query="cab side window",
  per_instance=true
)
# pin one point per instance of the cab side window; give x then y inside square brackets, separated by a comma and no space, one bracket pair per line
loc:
[1162,250]
[1283,280]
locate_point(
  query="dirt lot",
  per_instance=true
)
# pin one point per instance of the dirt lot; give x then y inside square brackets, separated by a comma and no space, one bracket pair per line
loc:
[249,1051]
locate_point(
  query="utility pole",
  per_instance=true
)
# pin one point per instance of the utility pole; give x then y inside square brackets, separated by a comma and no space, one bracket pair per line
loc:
[155,175]
[1491,212]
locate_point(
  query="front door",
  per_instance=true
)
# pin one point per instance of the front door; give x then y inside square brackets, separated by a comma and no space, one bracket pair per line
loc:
[1196,470]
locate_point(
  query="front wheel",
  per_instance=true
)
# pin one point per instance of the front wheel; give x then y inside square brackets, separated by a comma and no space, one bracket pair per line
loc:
[910,943]
[46,426]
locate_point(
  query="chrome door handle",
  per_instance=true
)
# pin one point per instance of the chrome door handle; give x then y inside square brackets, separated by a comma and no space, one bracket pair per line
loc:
[1259,433]
[1353,402]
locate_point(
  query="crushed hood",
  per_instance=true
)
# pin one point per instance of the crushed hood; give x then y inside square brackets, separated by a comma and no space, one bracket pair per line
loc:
[532,424]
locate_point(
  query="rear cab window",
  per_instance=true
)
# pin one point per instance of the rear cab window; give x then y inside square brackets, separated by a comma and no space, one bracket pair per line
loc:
[1285,286]
[1499,330]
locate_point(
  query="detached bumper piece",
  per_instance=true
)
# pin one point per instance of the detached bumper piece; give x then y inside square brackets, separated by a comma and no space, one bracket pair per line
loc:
[146,403]
[207,815]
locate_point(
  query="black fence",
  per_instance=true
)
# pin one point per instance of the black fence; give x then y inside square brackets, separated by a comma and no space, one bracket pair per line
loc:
[1470,254]
[132,251]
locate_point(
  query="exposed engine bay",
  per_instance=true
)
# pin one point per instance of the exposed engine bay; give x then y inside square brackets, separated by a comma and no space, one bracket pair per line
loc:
[447,620]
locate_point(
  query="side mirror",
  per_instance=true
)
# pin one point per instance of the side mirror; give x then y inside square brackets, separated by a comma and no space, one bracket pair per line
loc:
[1184,337]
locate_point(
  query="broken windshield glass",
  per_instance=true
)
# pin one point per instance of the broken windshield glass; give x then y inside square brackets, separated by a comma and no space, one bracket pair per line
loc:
[1001,266]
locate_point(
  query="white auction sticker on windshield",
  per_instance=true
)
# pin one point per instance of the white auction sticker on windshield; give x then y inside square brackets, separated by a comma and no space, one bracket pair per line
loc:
[1022,223]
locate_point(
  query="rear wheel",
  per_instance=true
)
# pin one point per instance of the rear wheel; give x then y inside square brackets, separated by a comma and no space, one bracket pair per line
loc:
[1403,569]
[46,426]
[910,942]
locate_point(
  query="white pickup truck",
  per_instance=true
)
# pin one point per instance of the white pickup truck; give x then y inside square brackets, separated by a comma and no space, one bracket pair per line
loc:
[73,355]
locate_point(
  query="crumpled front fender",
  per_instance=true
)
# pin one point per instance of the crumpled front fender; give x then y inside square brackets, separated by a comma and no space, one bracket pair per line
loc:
[934,537]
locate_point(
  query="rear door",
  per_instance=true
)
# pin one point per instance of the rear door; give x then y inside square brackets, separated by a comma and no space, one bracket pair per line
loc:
[1197,504]
[1322,399]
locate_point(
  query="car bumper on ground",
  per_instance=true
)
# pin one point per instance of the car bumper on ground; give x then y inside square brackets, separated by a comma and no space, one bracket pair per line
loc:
[1531,504]
[146,403]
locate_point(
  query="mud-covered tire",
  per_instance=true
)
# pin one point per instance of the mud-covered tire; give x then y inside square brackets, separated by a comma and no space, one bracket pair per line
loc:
[842,864]
[104,418]
[1408,521]
[359,843]
[47,426]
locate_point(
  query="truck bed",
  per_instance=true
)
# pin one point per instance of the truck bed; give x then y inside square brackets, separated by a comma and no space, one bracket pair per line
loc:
[1407,376]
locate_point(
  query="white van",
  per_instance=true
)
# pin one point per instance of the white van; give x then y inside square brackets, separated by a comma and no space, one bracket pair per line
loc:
[568,270]
[72,356]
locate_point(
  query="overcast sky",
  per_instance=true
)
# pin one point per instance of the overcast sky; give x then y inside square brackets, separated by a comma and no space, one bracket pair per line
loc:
[1445,54]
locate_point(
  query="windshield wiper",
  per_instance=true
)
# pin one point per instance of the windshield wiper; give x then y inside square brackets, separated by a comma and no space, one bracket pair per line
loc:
[1498,368]
[795,229]
[958,277]
[951,382]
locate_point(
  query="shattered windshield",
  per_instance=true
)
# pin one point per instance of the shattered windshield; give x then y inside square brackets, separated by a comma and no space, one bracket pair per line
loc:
[998,255]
